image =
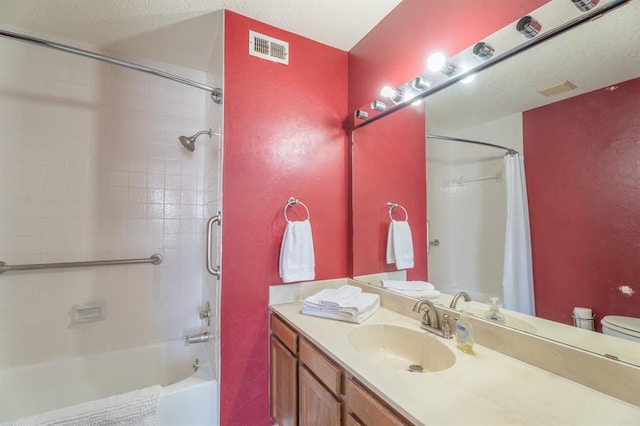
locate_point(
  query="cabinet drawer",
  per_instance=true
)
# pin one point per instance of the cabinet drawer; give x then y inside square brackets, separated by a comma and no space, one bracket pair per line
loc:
[368,410]
[286,335]
[327,372]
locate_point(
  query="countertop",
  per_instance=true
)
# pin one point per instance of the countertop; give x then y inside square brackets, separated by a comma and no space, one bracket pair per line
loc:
[484,388]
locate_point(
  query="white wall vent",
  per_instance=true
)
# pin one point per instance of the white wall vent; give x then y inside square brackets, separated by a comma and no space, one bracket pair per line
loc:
[269,48]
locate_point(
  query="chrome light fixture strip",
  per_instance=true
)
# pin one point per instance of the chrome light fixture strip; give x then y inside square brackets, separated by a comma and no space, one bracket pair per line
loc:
[371,116]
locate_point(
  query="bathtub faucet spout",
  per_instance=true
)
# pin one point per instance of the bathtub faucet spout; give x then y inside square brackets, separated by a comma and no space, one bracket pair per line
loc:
[197,338]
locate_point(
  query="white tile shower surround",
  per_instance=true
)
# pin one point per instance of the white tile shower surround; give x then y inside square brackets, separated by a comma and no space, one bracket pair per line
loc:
[91,169]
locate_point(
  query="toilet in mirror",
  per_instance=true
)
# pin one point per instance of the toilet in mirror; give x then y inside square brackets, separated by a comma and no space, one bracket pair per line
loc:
[521,183]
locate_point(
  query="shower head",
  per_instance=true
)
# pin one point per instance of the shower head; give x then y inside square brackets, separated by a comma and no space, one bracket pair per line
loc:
[189,142]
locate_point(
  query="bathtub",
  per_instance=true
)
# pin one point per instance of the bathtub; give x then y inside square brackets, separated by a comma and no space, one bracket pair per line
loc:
[186,398]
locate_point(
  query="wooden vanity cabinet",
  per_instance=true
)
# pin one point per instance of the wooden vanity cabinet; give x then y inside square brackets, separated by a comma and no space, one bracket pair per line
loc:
[283,374]
[309,388]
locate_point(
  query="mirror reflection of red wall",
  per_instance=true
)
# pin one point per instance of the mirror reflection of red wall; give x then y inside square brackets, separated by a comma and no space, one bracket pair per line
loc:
[582,159]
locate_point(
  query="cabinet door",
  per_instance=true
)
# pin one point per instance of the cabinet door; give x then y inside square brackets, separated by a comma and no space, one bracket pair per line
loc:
[368,410]
[283,384]
[317,405]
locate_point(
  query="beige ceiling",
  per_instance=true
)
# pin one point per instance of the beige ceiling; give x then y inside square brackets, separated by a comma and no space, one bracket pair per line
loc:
[180,31]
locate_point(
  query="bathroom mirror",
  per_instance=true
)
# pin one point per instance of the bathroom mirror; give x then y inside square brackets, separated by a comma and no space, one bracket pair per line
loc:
[581,150]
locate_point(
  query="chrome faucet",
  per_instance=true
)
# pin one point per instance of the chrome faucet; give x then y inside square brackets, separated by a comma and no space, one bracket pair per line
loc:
[431,321]
[198,338]
[459,294]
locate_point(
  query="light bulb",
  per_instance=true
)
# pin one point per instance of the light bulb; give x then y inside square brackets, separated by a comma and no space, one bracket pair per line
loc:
[436,62]
[387,91]
[394,94]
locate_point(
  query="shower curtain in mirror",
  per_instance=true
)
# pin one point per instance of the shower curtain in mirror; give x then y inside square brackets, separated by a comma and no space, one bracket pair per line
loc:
[517,281]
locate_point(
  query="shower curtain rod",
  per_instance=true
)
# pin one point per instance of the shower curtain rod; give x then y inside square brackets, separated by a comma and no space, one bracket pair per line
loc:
[215,92]
[510,151]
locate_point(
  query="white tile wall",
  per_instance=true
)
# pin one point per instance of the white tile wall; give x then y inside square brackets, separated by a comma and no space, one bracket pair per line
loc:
[91,168]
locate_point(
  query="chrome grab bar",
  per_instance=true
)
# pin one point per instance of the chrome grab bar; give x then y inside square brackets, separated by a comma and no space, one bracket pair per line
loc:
[217,219]
[156,259]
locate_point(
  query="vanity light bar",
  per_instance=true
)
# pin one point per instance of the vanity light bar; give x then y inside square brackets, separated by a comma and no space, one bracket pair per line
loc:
[585,5]
[378,105]
[420,83]
[483,50]
[419,88]
[528,27]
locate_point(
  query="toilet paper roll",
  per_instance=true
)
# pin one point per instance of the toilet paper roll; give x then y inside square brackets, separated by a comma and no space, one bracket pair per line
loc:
[583,318]
[586,313]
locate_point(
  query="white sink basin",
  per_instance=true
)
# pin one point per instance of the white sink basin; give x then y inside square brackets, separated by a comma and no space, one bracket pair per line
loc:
[400,348]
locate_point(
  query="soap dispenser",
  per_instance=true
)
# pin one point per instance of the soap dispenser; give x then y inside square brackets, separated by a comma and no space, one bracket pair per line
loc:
[494,314]
[464,333]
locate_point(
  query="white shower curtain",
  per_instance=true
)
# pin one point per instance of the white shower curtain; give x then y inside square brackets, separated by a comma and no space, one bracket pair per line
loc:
[517,278]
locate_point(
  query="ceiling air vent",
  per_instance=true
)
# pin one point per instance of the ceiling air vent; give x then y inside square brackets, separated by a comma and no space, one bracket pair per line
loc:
[557,89]
[269,48]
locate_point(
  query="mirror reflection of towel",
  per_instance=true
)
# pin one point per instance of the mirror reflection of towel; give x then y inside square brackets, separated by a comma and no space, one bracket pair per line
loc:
[400,245]
[297,259]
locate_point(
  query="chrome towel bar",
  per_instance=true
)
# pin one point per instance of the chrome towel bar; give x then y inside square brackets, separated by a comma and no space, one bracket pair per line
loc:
[292,202]
[391,206]
[155,259]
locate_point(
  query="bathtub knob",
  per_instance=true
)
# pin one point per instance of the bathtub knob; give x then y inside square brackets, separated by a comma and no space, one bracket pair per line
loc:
[206,314]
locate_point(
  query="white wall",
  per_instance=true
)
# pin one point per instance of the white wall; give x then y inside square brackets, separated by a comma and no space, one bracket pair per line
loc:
[469,219]
[91,168]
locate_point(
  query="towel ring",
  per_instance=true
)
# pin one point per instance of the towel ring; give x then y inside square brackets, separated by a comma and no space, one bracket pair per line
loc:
[292,202]
[391,206]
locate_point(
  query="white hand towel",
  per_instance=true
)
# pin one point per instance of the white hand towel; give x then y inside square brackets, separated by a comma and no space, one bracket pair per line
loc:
[316,299]
[400,245]
[297,261]
[356,306]
[343,297]
[407,285]
[341,315]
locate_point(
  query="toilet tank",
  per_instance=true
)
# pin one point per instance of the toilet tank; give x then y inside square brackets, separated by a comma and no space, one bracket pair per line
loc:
[624,327]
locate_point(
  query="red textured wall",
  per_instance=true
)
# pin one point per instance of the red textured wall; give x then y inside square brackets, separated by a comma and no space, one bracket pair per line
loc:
[284,137]
[582,159]
[388,167]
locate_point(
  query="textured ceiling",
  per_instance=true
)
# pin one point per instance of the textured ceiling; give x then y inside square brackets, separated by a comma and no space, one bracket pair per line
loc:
[180,31]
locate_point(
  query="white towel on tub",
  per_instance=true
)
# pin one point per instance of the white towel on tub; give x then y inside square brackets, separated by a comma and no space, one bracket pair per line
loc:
[138,407]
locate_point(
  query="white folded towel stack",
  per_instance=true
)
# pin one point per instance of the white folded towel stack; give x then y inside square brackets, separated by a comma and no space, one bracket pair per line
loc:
[417,289]
[400,245]
[297,259]
[346,303]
